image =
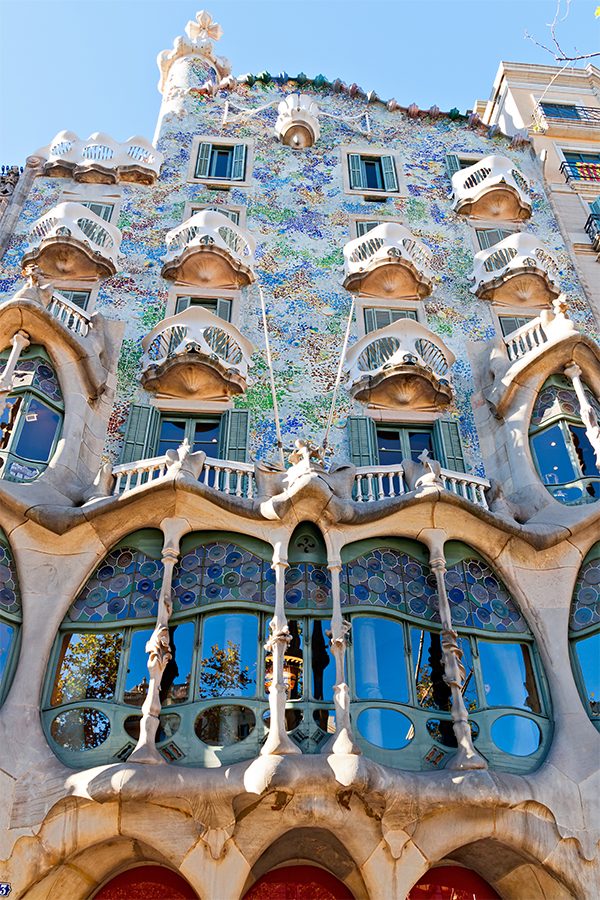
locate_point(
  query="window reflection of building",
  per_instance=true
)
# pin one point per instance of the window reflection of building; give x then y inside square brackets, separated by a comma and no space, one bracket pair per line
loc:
[584,633]
[561,448]
[10,616]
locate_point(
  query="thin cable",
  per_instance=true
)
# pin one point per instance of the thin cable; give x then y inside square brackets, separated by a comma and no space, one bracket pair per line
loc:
[271,377]
[339,374]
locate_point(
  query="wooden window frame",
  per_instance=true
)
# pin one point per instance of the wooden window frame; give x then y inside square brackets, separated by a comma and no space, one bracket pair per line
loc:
[220,183]
[374,152]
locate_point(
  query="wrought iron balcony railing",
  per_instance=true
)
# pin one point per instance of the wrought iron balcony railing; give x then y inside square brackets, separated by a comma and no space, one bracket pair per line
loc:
[581,171]
[592,227]
[549,114]
[492,188]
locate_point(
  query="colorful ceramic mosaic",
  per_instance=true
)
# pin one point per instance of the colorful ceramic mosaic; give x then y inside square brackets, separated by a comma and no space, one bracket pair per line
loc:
[301,218]
[585,609]
[10,601]
[387,577]
[125,585]
[217,572]
[478,599]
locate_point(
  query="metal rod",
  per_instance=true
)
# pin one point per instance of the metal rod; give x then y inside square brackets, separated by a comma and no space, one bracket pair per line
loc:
[271,377]
[339,374]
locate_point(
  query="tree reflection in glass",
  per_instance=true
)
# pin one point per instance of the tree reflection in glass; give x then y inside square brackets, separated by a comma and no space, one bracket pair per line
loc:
[88,667]
[379,669]
[229,656]
[508,675]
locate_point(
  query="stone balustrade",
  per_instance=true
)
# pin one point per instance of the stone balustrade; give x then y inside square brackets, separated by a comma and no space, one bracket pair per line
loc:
[492,188]
[384,482]
[516,271]
[388,261]
[196,353]
[72,241]
[100,159]
[208,249]
[403,364]
[233,478]
[69,314]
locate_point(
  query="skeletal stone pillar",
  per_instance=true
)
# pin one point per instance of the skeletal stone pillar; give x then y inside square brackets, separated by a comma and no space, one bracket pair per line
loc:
[158,649]
[588,415]
[466,757]
[20,341]
[342,741]
[278,741]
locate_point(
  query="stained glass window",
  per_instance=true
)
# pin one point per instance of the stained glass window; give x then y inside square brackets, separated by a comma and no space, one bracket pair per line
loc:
[584,631]
[10,614]
[31,421]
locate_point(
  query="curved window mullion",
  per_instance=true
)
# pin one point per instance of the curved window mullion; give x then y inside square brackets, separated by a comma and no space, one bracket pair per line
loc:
[584,633]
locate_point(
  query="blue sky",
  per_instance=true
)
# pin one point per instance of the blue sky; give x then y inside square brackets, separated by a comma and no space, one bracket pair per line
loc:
[90,65]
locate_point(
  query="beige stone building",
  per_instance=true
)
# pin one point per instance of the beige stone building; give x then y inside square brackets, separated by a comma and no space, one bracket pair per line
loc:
[559,109]
[299,501]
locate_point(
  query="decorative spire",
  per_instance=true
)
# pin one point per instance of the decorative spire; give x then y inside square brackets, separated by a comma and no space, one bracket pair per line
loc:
[200,34]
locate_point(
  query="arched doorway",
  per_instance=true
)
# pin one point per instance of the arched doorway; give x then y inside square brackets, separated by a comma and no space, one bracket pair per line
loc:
[452,883]
[147,883]
[298,883]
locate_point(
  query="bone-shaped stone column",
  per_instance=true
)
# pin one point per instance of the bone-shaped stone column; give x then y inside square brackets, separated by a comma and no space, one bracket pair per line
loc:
[278,741]
[466,757]
[20,341]
[588,415]
[342,741]
[158,647]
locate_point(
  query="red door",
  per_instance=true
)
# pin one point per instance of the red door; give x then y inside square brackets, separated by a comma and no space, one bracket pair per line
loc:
[298,883]
[452,883]
[147,883]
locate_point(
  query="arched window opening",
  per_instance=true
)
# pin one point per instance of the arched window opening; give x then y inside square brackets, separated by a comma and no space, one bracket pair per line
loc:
[400,700]
[584,633]
[452,883]
[561,448]
[146,883]
[31,417]
[214,691]
[299,883]
[10,616]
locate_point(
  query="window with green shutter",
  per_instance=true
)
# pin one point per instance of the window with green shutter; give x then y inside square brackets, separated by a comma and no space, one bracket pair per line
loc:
[363,228]
[488,237]
[104,210]
[372,173]
[232,214]
[363,441]
[235,424]
[79,298]
[221,162]
[379,317]
[396,442]
[140,433]
[447,438]
[508,324]
[220,306]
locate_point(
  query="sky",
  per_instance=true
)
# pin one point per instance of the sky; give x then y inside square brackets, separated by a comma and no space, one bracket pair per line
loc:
[90,65]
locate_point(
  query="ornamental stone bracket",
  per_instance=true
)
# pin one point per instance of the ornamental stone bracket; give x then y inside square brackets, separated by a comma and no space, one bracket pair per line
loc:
[53,322]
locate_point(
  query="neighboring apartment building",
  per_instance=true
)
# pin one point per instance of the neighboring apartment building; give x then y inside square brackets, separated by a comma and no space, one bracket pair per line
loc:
[287,619]
[559,108]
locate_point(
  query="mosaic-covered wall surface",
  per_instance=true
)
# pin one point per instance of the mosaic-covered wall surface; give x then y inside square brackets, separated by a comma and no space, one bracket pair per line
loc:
[301,218]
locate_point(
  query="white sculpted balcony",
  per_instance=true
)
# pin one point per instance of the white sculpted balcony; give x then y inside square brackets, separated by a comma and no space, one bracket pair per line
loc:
[401,366]
[196,355]
[70,241]
[101,160]
[297,124]
[516,271]
[492,188]
[388,262]
[208,249]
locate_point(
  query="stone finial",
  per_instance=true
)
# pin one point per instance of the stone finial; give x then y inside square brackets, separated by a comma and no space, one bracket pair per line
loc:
[204,29]
[412,111]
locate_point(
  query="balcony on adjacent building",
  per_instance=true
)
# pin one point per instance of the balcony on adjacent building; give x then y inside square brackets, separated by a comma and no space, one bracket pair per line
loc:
[592,227]
[196,355]
[581,171]
[517,271]
[565,119]
[101,160]
[388,262]
[70,241]
[209,250]
[492,188]
[401,366]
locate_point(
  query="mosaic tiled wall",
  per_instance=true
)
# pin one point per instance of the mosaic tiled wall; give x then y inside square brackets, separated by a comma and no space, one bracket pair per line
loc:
[300,217]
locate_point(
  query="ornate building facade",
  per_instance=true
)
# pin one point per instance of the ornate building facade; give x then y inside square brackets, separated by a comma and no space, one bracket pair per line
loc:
[299,470]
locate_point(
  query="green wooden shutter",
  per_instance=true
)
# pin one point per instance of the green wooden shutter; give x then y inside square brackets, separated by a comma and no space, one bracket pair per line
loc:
[355,170]
[595,206]
[238,167]
[452,164]
[390,182]
[141,433]
[233,435]
[224,309]
[363,227]
[203,161]
[371,320]
[447,438]
[363,441]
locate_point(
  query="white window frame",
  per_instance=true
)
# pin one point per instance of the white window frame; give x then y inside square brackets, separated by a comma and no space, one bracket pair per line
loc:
[190,407]
[194,206]
[201,293]
[71,285]
[221,183]
[96,193]
[476,225]
[363,303]
[353,221]
[499,312]
[374,152]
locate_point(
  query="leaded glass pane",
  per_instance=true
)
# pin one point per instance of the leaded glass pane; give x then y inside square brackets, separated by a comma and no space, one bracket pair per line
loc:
[478,599]
[585,609]
[125,585]
[387,577]
[9,592]
[219,571]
